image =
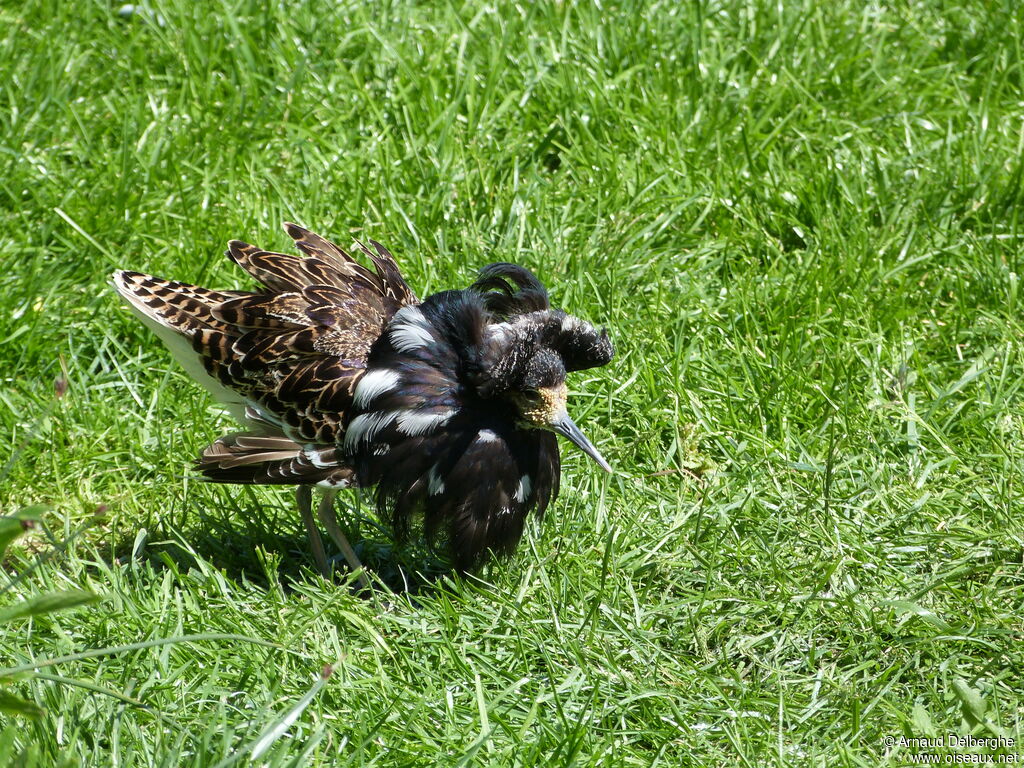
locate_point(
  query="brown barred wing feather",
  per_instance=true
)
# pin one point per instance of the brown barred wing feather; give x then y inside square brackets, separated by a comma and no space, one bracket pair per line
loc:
[179,313]
[284,360]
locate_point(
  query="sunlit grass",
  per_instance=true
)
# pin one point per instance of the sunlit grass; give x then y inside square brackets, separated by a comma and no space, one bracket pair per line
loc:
[799,223]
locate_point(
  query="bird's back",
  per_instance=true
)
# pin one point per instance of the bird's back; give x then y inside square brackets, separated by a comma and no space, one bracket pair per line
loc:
[284,360]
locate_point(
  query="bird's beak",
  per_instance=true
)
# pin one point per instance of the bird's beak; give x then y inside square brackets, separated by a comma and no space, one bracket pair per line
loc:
[566,427]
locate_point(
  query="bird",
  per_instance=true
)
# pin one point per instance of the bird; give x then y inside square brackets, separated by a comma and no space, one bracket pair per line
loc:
[340,377]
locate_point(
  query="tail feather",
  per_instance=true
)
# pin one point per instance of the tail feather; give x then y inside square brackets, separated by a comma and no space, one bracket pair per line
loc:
[275,311]
[395,286]
[272,460]
[178,313]
[181,306]
[317,247]
[388,280]
[285,271]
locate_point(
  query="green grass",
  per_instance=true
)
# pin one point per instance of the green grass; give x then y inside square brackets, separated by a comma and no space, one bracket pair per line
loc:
[799,221]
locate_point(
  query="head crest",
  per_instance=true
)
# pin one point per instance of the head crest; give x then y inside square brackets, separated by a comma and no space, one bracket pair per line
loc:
[529,331]
[495,284]
[579,344]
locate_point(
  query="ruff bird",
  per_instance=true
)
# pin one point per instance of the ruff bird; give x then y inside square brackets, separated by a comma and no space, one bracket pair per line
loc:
[341,377]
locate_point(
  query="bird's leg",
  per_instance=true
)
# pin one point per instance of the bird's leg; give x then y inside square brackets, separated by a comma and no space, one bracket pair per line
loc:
[304,497]
[330,520]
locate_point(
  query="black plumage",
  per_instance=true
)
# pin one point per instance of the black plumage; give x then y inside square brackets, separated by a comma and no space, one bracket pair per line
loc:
[447,407]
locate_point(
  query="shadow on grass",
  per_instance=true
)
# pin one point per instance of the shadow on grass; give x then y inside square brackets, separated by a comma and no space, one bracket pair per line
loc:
[248,545]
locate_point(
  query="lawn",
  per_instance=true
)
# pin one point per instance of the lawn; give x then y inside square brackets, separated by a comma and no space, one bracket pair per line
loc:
[800,223]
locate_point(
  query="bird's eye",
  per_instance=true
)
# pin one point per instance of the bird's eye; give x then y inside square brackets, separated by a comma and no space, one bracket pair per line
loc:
[532,395]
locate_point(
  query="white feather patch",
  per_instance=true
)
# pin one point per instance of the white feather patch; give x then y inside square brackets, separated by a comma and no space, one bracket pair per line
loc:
[366,426]
[524,488]
[410,314]
[415,423]
[435,485]
[571,323]
[315,456]
[373,384]
[406,338]
[496,332]
[410,330]
[487,436]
